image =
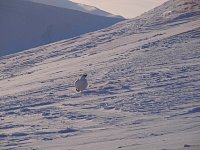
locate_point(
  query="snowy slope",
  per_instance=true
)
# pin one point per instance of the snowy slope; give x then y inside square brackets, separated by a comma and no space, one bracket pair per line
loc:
[144,87]
[24,24]
[80,7]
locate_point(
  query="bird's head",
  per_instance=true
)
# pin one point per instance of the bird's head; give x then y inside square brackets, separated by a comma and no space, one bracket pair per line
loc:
[84,75]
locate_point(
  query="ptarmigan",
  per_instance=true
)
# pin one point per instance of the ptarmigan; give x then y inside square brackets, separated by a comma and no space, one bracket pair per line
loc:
[81,84]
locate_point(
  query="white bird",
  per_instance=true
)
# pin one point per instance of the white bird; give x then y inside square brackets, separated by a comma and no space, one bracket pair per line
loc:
[81,84]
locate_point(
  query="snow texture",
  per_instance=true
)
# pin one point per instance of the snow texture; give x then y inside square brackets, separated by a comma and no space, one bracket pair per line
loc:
[143,93]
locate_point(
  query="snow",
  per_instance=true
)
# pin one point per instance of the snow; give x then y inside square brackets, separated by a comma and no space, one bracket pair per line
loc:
[26,24]
[143,93]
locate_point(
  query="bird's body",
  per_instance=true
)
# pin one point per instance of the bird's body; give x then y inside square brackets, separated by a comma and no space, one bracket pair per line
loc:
[81,84]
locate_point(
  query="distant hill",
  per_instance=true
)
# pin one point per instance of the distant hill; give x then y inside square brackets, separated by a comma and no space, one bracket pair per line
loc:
[80,7]
[25,24]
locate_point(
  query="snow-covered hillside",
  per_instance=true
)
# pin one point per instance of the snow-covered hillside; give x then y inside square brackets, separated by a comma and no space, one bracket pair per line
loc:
[24,24]
[144,87]
[76,6]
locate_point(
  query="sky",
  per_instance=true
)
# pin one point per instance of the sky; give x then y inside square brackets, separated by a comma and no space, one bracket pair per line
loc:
[125,8]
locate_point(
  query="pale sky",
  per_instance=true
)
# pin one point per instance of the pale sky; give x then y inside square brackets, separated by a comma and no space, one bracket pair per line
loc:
[125,8]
